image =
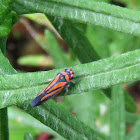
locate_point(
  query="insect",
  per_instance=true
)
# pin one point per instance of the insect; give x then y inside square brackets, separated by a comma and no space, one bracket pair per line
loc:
[58,84]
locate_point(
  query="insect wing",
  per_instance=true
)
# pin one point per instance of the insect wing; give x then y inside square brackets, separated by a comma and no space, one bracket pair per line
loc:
[52,89]
[37,101]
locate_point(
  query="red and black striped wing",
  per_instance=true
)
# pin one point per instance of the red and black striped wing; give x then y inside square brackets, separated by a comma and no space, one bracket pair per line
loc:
[51,90]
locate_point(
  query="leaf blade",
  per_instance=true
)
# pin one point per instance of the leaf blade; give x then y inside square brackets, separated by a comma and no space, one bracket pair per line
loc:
[79,43]
[117,114]
[28,136]
[96,13]
[134,133]
[96,74]
[58,56]
[60,120]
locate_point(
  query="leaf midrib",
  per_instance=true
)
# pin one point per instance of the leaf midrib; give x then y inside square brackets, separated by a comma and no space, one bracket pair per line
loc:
[116,70]
[63,122]
[88,76]
[60,4]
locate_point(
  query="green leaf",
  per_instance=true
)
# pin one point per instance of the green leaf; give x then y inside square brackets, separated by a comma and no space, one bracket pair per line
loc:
[82,108]
[19,119]
[134,133]
[83,49]
[67,125]
[28,136]
[5,67]
[100,74]
[49,43]
[5,17]
[87,109]
[58,56]
[96,13]
[63,122]
[131,118]
[14,17]
[35,60]
[101,44]
[41,19]
[78,43]
[4,130]
[130,104]
[3,41]
[117,114]
[117,47]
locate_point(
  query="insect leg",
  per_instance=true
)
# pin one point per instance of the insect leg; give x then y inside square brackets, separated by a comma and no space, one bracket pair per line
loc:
[75,80]
[66,88]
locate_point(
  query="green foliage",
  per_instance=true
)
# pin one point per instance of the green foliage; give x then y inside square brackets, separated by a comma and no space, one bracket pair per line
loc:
[28,136]
[96,13]
[5,17]
[131,118]
[94,98]
[91,76]
[4,135]
[55,52]
[105,106]
[19,120]
[35,60]
[117,114]
[63,122]
[79,43]
[130,104]
[134,134]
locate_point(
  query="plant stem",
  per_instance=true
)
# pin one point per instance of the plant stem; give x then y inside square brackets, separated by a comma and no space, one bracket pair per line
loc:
[4,132]
[4,129]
